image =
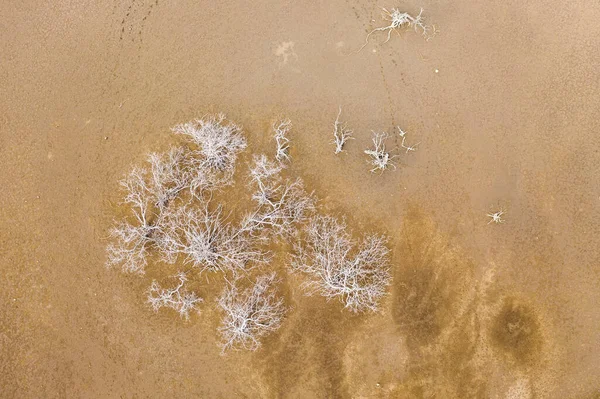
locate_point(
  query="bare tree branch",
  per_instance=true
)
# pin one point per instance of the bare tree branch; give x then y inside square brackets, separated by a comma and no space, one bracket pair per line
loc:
[281,130]
[341,133]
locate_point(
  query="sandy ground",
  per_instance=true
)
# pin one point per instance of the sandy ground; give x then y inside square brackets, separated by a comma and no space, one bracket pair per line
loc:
[504,101]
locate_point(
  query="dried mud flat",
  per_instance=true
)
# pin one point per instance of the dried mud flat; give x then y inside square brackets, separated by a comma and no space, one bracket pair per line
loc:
[504,100]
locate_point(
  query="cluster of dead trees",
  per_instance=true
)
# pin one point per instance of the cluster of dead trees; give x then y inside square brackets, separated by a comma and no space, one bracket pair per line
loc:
[175,219]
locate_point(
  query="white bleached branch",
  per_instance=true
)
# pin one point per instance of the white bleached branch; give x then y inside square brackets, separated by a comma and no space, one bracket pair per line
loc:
[281,130]
[408,148]
[341,133]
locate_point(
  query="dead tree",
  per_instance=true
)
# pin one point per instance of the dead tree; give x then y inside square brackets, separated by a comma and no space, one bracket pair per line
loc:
[251,314]
[341,133]
[208,241]
[379,157]
[397,21]
[281,204]
[134,236]
[168,176]
[177,298]
[281,130]
[219,142]
[496,217]
[338,267]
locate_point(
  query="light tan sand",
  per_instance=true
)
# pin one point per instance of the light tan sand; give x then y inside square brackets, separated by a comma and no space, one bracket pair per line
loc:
[504,100]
